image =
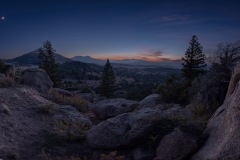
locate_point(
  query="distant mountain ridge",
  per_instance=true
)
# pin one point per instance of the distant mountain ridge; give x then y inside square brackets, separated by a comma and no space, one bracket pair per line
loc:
[88,59]
[31,58]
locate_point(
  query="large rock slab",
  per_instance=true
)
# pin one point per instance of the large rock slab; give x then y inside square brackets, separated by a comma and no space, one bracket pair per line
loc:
[150,101]
[37,79]
[113,107]
[234,82]
[70,124]
[131,128]
[177,145]
[223,130]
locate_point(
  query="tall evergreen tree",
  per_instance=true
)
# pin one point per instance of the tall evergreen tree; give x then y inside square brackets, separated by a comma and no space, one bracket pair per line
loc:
[2,66]
[47,63]
[108,80]
[194,61]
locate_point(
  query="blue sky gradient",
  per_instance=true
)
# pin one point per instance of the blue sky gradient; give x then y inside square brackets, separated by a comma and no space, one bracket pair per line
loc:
[116,28]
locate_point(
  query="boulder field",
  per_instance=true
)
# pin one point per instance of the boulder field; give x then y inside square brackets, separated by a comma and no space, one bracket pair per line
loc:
[32,126]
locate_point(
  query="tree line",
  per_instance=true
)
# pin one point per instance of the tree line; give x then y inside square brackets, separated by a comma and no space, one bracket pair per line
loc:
[198,82]
[201,85]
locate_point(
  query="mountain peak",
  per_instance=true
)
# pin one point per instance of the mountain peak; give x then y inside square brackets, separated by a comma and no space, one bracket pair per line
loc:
[31,58]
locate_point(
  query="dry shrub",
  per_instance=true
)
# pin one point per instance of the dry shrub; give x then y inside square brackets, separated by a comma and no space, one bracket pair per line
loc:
[7,82]
[68,131]
[76,101]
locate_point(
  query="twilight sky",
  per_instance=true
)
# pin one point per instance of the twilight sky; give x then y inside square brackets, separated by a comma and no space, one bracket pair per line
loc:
[146,29]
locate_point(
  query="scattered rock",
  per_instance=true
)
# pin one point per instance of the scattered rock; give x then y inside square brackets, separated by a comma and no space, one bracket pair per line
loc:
[113,107]
[223,130]
[177,145]
[150,101]
[131,128]
[37,79]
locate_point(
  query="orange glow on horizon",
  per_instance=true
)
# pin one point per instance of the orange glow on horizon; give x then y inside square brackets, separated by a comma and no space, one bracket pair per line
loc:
[139,57]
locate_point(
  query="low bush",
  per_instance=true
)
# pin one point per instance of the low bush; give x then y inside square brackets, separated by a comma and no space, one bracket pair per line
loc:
[173,90]
[67,131]
[76,101]
[208,92]
[200,110]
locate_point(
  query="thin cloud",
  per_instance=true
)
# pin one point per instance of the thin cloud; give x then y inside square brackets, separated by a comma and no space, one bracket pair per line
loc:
[173,18]
[169,19]
[151,55]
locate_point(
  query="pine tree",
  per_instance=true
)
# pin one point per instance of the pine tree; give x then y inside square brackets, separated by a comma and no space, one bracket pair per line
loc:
[194,61]
[2,66]
[108,81]
[47,63]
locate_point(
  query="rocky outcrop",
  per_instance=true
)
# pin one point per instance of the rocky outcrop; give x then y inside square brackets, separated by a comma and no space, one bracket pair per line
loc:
[234,82]
[113,107]
[178,146]
[21,126]
[150,101]
[132,128]
[37,79]
[27,127]
[223,130]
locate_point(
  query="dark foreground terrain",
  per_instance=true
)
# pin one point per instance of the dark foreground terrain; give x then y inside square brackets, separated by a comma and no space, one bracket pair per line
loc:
[41,122]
